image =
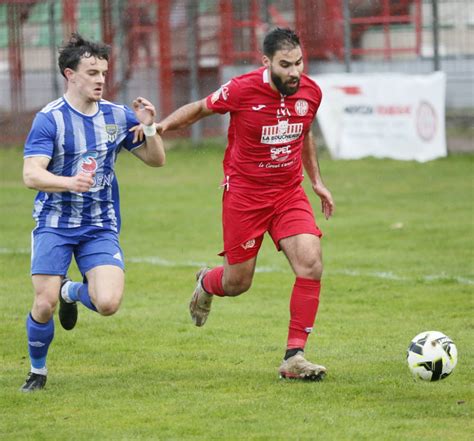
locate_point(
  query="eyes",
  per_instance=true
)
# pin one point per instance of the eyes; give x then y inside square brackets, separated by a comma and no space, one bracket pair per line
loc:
[286,64]
[95,73]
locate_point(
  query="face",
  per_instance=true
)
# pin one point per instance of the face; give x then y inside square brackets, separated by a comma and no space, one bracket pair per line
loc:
[285,69]
[88,80]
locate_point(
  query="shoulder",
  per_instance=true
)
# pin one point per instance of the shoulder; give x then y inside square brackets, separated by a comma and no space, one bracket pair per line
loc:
[252,79]
[311,86]
[109,105]
[52,106]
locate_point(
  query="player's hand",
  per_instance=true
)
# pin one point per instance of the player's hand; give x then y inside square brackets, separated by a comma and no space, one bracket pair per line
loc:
[327,202]
[81,183]
[144,110]
[138,134]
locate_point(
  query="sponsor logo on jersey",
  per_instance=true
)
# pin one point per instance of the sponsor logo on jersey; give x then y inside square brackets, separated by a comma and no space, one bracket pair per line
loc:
[283,112]
[249,244]
[280,153]
[282,133]
[223,90]
[259,107]
[301,107]
[112,131]
[88,164]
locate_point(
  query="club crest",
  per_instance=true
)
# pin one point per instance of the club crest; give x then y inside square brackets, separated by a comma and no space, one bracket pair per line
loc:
[112,131]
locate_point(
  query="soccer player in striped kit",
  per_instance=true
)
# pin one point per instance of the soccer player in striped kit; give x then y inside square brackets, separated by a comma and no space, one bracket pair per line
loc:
[269,142]
[69,157]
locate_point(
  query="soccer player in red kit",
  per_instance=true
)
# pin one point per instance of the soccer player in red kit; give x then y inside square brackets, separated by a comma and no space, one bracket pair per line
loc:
[269,142]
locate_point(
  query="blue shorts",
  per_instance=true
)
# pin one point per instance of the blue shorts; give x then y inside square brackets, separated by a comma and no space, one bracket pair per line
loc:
[52,249]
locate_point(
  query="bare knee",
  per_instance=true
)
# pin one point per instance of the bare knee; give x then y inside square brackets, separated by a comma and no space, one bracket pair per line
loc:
[311,270]
[107,309]
[235,286]
[44,306]
[107,303]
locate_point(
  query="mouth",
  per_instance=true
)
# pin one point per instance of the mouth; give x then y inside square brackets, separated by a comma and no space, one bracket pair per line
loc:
[293,82]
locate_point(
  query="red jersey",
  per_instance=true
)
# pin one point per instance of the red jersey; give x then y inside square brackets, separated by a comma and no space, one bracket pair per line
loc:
[266,129]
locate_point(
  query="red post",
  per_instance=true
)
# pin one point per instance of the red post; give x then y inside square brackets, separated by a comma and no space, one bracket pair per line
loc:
[418,25]
[255,23]
[226,46]
[15,45]
[165,78]
[69,17]
[108,38]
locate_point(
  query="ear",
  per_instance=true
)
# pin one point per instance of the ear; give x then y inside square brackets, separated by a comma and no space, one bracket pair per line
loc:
[266,61]
[69,73]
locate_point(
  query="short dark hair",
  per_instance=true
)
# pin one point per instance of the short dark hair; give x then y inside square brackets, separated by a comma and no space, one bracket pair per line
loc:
[280,38]
[76,48]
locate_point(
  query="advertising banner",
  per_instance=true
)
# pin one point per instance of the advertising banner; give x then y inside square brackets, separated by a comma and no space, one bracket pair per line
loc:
[397,116]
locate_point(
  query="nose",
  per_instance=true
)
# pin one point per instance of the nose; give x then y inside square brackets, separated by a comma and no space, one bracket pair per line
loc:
[293,71]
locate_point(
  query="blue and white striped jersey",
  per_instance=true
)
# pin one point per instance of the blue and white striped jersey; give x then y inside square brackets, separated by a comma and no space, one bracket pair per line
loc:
[76,142]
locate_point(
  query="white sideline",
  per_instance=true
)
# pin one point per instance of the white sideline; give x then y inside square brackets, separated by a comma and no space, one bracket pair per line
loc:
[159,261]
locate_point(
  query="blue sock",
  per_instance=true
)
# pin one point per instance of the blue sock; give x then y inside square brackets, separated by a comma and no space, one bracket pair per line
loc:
[40,336]
[79,292]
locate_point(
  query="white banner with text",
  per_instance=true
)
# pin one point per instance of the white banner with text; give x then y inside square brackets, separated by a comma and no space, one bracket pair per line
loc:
[397,116]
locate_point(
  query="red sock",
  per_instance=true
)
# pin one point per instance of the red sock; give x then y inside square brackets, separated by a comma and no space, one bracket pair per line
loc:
[212,282]
[303,308]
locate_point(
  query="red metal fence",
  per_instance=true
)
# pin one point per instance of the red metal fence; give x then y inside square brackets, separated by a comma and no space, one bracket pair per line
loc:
[154,35]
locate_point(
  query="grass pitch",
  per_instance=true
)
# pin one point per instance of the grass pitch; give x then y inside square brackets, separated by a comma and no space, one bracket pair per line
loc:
[398,260]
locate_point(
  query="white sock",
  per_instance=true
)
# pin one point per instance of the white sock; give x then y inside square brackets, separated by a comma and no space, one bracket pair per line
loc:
[65,292]
[41,371]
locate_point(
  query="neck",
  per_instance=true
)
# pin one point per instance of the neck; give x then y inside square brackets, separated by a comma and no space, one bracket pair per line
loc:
[85,107]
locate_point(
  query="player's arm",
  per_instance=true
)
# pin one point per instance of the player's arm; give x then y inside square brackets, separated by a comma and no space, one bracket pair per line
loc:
[152,151]
[311,165]
[179,119]
[36,176]
[185,116]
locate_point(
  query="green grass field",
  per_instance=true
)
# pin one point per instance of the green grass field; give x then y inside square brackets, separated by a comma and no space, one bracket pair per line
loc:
[398,261]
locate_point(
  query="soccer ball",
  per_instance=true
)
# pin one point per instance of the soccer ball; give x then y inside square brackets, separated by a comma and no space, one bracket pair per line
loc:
[432,356]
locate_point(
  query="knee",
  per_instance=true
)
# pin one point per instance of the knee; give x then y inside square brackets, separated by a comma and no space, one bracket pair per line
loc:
[107,304]
[311,270]
[44,305]
[108,308]
[235,287]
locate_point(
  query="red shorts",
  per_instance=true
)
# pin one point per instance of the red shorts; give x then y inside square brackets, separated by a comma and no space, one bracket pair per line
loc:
[246,216]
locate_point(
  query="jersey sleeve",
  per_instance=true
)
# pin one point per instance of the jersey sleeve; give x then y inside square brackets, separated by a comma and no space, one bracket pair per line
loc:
[131,121]
[225,99]
[42,136]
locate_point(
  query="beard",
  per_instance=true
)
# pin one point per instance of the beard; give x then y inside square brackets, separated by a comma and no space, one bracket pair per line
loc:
[283,87]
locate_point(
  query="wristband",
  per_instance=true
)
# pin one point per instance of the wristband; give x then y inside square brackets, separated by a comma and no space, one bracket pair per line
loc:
[149,130]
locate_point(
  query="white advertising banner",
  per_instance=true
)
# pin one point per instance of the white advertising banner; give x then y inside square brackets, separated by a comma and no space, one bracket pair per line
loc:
[397,116]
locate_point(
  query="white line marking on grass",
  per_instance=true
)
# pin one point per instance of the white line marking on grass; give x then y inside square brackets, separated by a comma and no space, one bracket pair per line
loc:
[15,251]
[388,275]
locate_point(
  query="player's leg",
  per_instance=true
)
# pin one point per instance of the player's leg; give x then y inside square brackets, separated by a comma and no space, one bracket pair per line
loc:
[50,260]
[99,258]
[244,221]
[224,281]
[304,254]
[106,285]
[295,232]
[40,329]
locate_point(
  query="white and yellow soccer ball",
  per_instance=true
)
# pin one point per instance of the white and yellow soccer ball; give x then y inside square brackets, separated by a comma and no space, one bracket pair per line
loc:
[432,356]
